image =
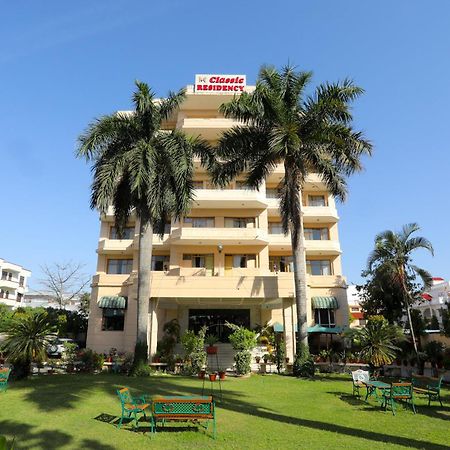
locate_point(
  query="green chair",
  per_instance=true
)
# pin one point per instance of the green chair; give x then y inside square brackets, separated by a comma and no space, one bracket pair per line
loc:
[4,375]
[398,391]
[131,406]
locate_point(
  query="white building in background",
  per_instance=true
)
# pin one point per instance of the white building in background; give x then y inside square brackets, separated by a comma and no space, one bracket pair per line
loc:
[355,310]
[38,299]
[13,283]
[435,300]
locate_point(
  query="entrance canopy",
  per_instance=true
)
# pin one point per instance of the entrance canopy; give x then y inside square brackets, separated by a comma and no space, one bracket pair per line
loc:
[112,302]
[279,328]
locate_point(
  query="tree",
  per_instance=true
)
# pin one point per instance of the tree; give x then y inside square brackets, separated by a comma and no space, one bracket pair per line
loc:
[64,281]
[377,341]
[138,166]
[26,341]
[85,303]
[307,134]
[392,257]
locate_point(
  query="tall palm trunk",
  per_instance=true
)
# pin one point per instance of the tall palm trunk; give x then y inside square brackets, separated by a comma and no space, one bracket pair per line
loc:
[144,287]
[299,257]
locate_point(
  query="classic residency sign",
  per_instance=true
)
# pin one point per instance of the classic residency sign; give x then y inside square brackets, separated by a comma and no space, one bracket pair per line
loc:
[219,83]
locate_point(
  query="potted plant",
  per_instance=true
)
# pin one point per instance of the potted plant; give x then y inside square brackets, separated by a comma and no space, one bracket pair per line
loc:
[211,339]
[257,359]
[202,374]
[266,358]
[222,374]
[212,376]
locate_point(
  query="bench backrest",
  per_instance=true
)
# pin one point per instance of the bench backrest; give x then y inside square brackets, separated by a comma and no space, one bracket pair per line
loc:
[427,382]
[183,407]
[360,375]
[4,375]
[401,390]
[125,396]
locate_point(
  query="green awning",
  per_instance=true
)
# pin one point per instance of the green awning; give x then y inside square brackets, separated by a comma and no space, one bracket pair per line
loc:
[112,302]
[329,330]
[324,303]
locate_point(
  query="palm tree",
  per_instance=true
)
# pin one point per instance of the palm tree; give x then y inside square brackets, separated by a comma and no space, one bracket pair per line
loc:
[27,340]
[308,134]
[392,257]
[139,166]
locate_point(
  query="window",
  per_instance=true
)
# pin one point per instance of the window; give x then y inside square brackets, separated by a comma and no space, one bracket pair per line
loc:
[19,297]
[128,233]
[324,317]
[120,266]
[239,222]
[318,267]
[316,234]
[160,263]
[113,319]
[240,261]
[275,228]
[271,193]
[7,294]
[197,184]
[2,293]
[200,222]
[316,200]
[21,281]
[4,274]
[281,264]
[199,261]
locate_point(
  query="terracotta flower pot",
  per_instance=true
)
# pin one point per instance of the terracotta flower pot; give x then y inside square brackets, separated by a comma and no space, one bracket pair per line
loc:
[212,376]
[211,350]
[257,359]
[201,374]
[222,375]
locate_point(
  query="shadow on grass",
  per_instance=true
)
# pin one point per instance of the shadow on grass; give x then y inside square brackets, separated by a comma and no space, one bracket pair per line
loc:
[27,436]
[233,401]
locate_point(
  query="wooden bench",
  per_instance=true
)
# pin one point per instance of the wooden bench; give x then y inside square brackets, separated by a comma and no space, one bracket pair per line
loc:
[183,408]
[428,386]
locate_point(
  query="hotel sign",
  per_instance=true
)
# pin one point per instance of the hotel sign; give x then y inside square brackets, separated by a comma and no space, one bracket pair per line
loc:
[219,83]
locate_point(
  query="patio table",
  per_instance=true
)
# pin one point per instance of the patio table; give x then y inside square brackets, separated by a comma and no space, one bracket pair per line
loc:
[372,386]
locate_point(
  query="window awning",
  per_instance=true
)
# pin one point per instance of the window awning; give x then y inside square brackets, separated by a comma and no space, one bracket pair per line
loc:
[320,329]
[324,303]
[112,302]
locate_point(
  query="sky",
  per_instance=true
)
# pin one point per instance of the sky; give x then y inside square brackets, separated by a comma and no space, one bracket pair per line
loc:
[62,64]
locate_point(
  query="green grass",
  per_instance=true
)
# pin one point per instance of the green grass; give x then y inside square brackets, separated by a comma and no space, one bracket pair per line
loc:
[64,412]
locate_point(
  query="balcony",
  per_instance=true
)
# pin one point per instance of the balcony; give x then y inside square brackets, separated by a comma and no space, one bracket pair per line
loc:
[115,246]
[311,214]
[212,236]
[157,242]
[229,199]
[313,247]
[10,284]
[208,128]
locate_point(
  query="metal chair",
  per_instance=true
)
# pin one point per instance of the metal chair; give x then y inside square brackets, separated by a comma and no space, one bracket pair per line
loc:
[4,375]
[399,391]
[359,377]
[131,406]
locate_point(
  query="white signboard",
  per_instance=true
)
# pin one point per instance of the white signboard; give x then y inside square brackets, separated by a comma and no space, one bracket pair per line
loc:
[219,83]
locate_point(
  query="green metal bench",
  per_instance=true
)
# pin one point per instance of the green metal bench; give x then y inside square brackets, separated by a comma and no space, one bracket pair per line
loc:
[183,408]
[398,392]
[428,386]
[131,406]
[4,375]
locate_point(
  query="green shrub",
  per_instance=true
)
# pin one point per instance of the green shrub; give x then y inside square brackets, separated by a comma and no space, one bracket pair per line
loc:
[303,362]
[242,338]
[242,360]
[142,370]
[194,350]
[91,361]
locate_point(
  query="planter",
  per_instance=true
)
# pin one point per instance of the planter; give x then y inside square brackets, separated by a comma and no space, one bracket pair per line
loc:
[211,350]
[287,360]
[212,376]
[257,359]
[222,375]
[201,374]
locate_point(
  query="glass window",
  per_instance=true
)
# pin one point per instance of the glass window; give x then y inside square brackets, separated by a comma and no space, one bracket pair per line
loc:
[318,267]
[21,281]
[239,222]
[128,233]
[4,274]
[316,234]
[275,228]
[7,294]
[199,261]
[113,319]
[160,263]
[120,266]
[19,297]
[240,261]
[200,222]
[324,317]
[281,264]
[316,200]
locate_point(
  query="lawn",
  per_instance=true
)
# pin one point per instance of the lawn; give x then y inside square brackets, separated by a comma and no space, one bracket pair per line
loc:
[261,412]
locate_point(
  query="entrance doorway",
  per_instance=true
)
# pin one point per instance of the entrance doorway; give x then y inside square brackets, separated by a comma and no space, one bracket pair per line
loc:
[215,320]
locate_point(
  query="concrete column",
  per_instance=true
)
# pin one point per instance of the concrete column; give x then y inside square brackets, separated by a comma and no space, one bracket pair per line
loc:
[152,327]
[288,324]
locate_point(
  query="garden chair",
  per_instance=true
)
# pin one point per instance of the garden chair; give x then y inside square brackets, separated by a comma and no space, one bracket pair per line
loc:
[131,406]
[4,375]
[399,391]
[359,377]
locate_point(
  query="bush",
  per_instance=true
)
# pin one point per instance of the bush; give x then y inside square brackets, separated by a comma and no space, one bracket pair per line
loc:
[142,370]
[243,339]
[91,361]
[242,360]
[194,350]
[303,362]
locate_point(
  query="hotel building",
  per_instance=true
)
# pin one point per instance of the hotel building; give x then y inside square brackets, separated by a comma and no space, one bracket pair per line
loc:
[13,284]
[228,259]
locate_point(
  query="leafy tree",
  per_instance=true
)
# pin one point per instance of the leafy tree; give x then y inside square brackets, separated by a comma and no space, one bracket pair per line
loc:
[377,341]
[27,340]
[85,303]
[392,257]
[280,124]
[139,166]
[446,322]
[434,323]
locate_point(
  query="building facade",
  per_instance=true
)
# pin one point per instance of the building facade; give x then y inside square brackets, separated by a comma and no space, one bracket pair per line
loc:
[227,260]
[435,301]
[357,318]
[13,283]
